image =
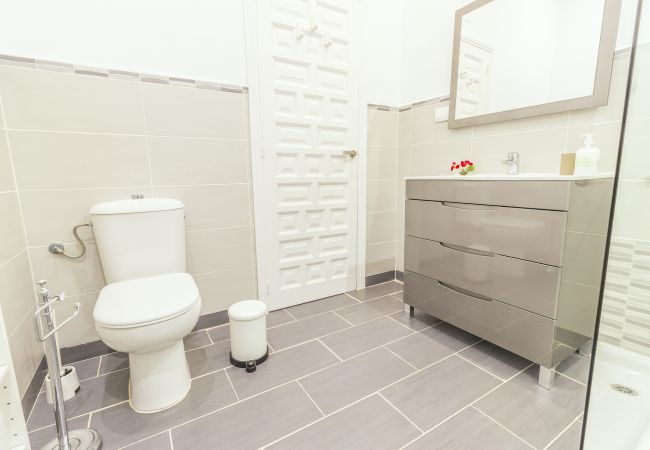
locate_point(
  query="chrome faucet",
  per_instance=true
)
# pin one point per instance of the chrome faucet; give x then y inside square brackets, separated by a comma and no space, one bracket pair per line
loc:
[512,161]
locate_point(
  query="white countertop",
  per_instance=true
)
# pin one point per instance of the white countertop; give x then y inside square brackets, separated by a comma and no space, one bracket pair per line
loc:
[519,177]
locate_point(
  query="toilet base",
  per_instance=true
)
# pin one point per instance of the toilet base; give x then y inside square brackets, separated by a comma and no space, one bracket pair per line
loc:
[159,379]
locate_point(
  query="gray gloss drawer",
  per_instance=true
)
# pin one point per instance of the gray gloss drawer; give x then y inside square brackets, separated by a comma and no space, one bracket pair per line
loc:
[534,194]
[522,332]
[528,285]
[534,235]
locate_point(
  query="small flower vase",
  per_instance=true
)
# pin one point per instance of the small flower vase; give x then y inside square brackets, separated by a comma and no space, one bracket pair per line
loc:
[463,168]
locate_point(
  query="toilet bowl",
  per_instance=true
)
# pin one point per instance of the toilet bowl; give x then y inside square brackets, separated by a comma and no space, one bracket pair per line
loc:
[148,319]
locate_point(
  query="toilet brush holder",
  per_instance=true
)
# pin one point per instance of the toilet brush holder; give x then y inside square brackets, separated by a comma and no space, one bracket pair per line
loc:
[81,439]
[69,382]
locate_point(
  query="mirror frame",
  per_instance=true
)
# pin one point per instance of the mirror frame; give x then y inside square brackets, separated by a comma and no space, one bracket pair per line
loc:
[611,13]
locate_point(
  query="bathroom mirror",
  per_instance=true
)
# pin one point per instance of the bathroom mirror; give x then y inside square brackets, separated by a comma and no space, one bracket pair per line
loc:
[521,58]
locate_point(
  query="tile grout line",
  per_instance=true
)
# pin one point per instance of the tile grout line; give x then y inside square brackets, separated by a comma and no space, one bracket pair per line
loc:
[294,317]
[171,440]
[574,421]
[469,405]
[340,316]
[78,416]
[310,398]
[572,379]
[384,346]
[130,444]
[479,367]
[331,351]
[231,385]
[500,425]
[400,413]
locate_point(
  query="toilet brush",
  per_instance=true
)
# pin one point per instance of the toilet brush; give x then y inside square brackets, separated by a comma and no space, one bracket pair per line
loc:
[81,439]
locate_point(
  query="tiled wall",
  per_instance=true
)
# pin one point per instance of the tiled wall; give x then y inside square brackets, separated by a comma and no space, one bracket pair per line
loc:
[427,148]
[17,297]
[625,319]
[381,225]
[79,137]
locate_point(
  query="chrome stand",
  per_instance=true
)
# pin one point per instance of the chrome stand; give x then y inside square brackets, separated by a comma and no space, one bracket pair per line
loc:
[82,439]
[546,377]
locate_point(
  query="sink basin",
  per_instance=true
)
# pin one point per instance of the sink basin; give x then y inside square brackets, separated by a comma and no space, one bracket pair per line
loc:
[518,177]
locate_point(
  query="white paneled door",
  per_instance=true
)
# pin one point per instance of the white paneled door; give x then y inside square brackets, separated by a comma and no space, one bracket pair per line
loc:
[303,80]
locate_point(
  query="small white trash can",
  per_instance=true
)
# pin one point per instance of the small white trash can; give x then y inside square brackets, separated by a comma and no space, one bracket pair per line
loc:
[248,346]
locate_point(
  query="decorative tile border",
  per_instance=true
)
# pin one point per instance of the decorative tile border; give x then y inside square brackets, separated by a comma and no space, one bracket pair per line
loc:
[625,317]
[409,106]
[56,66]
[383,107]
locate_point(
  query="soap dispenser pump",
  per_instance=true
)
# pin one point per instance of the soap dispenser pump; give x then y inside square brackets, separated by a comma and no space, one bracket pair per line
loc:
[587,157]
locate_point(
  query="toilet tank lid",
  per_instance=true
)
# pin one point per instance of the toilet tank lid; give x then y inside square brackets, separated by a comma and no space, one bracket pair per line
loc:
[136,206]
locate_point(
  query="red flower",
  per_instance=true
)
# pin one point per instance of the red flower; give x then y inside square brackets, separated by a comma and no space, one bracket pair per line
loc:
[457,167]
[463,164]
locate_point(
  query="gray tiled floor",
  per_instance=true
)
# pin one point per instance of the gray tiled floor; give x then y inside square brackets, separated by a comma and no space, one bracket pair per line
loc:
[350,372]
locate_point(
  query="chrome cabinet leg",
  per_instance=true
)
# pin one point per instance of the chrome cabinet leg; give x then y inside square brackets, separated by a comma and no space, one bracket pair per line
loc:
[546,377]
[412,311]
[586,348]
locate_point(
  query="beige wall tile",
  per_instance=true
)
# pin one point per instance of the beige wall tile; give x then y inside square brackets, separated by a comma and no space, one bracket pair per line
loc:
[50,215]
[56,101]
[606,138]
[539,151]
[549,121]
[613,111]
[399,224]
[17,290]
[382,162]
[211,206]
[636,157]
[181,111]
[425,129]
[404,120]
[211,250]
[631,219]
[73,276]
[181,161]
[221,289]
[435,158]
[381,195]
[6,173]
[380,227]
[46,160]
[383,127]
[26,352]
[639,106]
[380,258]
[12,239]
[82,329]
[399,255]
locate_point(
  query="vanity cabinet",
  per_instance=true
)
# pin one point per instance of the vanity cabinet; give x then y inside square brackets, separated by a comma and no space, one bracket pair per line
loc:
[517,262]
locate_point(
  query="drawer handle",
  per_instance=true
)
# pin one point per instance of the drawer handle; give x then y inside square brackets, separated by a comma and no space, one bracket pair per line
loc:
[469,206]
[460,248]
[464,292]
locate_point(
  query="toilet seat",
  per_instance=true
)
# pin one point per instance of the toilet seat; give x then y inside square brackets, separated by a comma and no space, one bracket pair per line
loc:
[145,301]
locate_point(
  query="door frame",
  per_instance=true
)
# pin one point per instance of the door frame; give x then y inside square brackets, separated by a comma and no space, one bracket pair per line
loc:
[261,195]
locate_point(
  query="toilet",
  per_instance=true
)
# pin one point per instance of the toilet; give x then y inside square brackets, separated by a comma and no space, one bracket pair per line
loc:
[150,303]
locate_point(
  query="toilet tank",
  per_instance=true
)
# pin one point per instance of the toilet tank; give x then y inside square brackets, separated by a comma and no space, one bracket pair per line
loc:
[139,238]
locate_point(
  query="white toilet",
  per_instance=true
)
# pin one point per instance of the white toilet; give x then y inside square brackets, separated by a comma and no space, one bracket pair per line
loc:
[150,303]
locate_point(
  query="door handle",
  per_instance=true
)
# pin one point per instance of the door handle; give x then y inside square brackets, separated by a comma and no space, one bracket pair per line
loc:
[351,153]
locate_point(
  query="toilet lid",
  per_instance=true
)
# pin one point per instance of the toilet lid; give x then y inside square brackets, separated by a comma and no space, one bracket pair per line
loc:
[145,300]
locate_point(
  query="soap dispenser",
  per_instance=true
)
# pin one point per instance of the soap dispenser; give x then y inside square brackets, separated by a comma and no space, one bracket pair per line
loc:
[587,157]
